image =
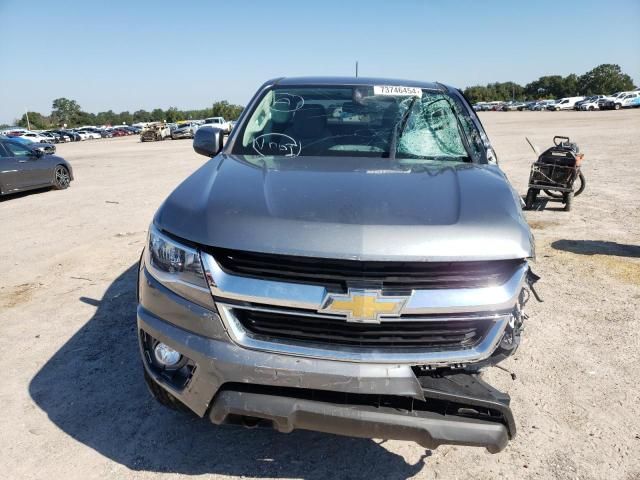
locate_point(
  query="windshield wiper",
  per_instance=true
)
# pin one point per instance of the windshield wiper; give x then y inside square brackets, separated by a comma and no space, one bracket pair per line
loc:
[399,129]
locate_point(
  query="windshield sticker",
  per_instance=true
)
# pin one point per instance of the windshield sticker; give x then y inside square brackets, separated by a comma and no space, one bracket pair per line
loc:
[276,144]
[396,91]
[286,102]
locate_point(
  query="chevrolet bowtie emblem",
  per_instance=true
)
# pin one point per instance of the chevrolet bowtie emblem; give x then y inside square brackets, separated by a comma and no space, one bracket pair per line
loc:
[364,306]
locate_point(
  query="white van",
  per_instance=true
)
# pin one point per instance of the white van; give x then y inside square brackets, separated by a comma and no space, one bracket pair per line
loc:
[565,103]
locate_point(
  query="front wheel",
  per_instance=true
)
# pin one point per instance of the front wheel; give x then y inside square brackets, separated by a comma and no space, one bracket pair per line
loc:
[61,177]
[617,106]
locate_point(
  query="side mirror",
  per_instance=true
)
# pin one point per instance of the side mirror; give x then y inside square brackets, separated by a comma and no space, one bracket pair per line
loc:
[38,153]
[208,141]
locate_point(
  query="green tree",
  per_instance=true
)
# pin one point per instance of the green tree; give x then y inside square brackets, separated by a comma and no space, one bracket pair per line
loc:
[84,118]
[173,115]
[226,110]
[157,115]
[141,116]
[65,110]
[605,79]
[125,117]
[570,86]
[37,121]
[549,86]
[495,91]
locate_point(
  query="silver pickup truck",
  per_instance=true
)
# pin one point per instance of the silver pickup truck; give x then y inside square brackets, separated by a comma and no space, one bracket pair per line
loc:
[349,261]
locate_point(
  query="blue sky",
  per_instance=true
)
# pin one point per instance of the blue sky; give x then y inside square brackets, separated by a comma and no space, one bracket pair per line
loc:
[127,55]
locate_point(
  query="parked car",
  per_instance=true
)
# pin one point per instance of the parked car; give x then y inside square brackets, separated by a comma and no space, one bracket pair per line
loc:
[591,103]
[155,132]
[90,133]
[590,100]
[625,100]
[83,135]
[218,122]
[543,105]
[522,106]
[184,130]
[118,132]
[75,137]
[24,167]
[348,228]
[51,137]
[512,106]
[33,136]
[564,103]
[611,98]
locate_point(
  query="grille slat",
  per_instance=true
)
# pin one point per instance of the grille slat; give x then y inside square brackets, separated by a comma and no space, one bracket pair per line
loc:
[337,274]
[424,334]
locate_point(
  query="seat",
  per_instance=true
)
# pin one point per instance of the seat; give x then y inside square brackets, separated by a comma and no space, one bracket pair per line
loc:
[309,129]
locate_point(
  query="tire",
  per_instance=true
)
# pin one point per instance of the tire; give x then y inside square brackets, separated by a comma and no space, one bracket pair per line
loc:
[617,106]
[61,177]
[591,109]
[568,200]
[532,194]
[163,397]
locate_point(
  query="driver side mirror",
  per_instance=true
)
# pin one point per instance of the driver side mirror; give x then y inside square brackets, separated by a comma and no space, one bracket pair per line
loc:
[208,141]
[37,153]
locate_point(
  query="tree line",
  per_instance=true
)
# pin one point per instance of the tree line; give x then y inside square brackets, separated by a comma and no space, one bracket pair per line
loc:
[604,79]
[68,112]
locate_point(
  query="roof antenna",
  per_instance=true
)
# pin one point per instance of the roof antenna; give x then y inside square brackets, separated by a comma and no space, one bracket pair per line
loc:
[356,68]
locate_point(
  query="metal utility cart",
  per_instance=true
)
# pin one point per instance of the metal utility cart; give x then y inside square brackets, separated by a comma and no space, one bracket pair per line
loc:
[555,173]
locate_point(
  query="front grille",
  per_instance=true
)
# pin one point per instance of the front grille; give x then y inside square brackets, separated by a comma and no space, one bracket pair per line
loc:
[335,274]
[408,331]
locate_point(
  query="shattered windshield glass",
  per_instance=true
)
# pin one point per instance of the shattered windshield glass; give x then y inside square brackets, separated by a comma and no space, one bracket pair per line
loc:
[363,121]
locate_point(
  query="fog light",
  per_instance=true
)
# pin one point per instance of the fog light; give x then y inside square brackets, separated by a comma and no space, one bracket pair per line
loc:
[165,355]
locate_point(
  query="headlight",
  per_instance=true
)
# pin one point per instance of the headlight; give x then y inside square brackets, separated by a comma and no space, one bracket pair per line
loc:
[177,267]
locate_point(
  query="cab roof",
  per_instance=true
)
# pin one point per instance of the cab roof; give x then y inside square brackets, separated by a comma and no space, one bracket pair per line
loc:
[337,81]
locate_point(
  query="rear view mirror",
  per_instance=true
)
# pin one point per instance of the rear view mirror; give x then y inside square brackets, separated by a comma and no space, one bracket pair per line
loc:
[37,153]
[208,141]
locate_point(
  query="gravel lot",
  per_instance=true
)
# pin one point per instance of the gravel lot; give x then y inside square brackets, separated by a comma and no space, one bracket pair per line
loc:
[73,400]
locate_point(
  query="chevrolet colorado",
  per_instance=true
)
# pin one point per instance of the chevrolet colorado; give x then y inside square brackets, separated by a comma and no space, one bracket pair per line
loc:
[349,261]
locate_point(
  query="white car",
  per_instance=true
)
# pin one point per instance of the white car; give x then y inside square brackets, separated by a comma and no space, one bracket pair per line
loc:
[611,99]
[83,135]
[90,134]
[630,100]
[35,137]
[218,122]
[564,103]
[591,103]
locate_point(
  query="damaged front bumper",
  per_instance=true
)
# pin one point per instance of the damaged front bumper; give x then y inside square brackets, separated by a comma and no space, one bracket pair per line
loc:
[449,414]
[228,383]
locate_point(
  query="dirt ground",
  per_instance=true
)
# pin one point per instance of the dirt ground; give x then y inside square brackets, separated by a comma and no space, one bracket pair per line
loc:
[74,406]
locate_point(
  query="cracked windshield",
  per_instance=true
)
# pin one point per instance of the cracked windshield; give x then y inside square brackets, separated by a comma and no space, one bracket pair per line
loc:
[406,124]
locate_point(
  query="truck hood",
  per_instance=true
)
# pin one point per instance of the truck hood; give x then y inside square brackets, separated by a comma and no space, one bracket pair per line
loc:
[351,208]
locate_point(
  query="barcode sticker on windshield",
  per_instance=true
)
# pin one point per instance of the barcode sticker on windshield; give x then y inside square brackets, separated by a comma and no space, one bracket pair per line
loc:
[397,90]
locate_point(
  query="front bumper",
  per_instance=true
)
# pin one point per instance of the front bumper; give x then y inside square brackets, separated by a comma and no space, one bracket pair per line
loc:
[177,135]
[363,399]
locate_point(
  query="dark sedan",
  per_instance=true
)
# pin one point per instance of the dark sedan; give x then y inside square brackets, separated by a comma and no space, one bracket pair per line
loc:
[24,168]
